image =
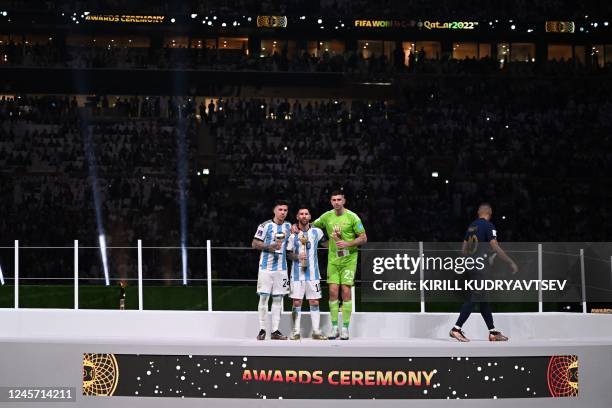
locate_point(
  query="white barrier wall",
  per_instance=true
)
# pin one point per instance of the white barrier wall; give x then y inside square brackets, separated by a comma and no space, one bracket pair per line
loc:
[45,348]
[108,324]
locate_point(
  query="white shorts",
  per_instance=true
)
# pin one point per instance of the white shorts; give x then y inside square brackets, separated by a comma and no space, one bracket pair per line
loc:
[311,288]
[272,283]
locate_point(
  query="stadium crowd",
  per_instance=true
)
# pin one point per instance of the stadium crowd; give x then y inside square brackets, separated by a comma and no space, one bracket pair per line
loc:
[413,168]
[351,63]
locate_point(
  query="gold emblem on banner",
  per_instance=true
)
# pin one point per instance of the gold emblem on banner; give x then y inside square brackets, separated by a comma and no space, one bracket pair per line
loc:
[272,21]
[100,374]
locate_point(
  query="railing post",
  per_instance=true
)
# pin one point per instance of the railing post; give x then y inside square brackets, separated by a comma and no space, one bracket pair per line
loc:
[209,276]
[76,274]
[583,278]
[540,273]
[140,302]
[422,277]
[16,274]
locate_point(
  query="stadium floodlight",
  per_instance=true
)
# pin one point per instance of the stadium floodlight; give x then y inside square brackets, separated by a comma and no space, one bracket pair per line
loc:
[434,174]
[102,241]
[210,23]
[606,23]
[86,13]
[513,27]
[172,20]
[320,21]
[503,217]
[1,276]
[194,15]
[214,17]
[206,172]
[223,25]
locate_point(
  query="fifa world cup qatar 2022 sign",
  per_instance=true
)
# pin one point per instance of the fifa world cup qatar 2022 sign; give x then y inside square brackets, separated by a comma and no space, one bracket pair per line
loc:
[283,377]
[427,24]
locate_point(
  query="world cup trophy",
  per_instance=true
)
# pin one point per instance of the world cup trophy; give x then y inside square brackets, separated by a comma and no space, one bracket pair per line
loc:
[122,295]
[303,242]
[280,237]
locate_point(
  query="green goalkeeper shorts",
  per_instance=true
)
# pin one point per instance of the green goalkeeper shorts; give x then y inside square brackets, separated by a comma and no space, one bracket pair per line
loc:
[342,274]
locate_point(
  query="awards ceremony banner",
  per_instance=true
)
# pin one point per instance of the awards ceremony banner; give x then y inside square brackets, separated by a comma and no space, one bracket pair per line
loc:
[191,376]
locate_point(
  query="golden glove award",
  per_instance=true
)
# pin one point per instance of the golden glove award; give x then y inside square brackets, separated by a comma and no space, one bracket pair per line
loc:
[337,236]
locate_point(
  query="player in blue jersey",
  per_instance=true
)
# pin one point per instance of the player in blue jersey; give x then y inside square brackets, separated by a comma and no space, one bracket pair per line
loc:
[305,276]
[272,280]
[481,241]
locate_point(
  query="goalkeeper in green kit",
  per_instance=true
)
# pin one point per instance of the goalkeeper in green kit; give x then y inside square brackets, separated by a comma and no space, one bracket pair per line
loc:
[345,231]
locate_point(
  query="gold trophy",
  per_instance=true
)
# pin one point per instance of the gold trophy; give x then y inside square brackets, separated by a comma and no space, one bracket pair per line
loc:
[280,236]
[337,236]
[303,241]
[122,295]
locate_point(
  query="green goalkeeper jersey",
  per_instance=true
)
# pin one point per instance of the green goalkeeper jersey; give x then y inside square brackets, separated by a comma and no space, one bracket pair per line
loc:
[349,225]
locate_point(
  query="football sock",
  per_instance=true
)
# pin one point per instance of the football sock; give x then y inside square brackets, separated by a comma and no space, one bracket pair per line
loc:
[262,309]
[333,312]
[347,309]
[296,315]
[315,317]
[277,307]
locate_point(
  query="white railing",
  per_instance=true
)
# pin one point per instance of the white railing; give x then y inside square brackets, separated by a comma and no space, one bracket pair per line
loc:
[209,273]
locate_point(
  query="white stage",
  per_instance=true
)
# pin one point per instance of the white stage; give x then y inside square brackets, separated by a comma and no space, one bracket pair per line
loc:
[46,347]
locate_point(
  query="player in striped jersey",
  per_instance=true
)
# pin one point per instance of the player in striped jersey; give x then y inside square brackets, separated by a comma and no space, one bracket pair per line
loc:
[272,280]
[305,277]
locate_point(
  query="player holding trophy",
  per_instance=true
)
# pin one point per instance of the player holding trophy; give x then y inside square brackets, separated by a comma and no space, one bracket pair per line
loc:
[305,277]
[347,233]
[272,280]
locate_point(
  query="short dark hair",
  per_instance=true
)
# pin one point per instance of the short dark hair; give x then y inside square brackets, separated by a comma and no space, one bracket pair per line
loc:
[337,192]
[302,207]
[485,205]
[280,202]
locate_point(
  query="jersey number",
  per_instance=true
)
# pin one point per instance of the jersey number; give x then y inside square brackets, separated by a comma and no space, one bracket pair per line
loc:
[317,287]
[285,283]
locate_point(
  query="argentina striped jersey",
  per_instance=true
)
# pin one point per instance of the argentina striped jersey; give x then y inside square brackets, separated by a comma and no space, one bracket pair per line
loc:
[267,232]
[311,272]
